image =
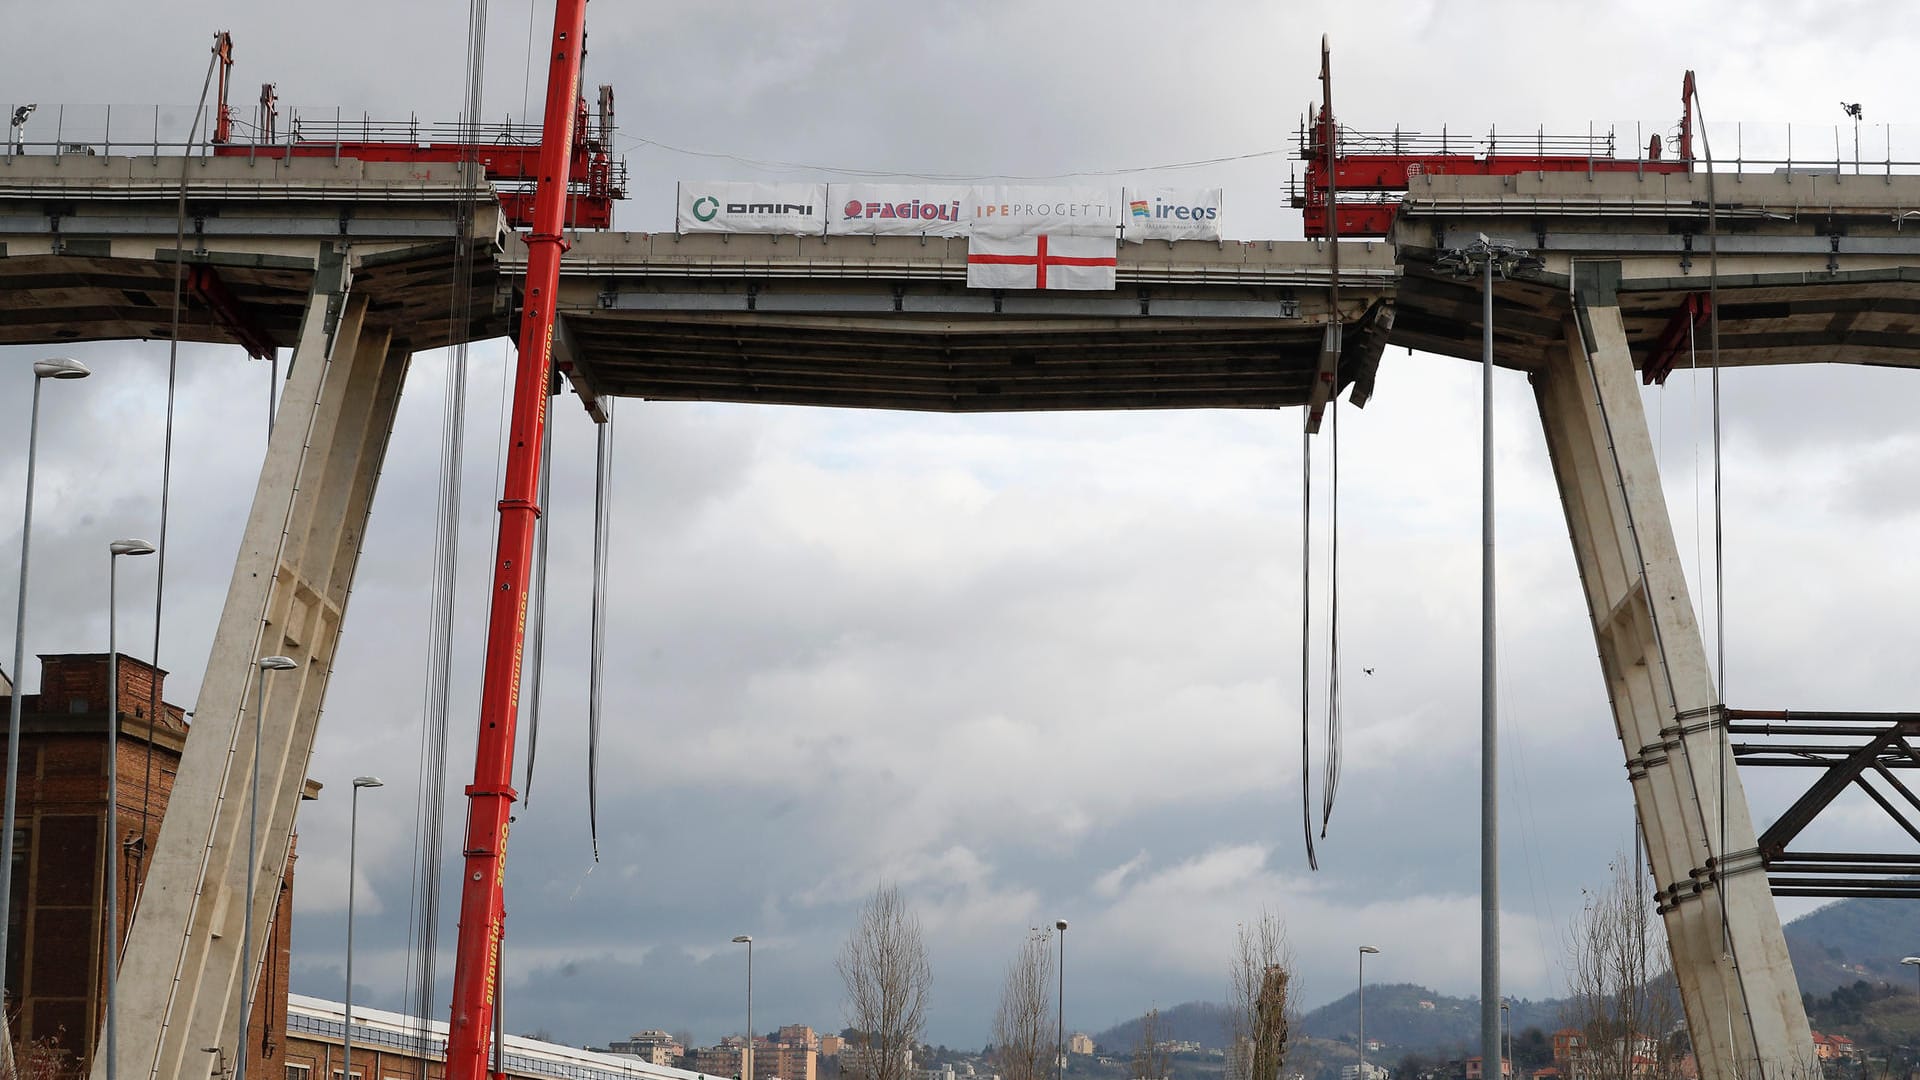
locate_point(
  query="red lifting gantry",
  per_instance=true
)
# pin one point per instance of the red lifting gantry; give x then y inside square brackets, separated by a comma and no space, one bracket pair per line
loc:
[1394,159]
[509,155]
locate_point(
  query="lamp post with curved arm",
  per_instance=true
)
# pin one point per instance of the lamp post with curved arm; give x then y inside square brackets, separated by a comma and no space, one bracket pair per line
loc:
[55,368]
[115,550]
[266,664]
[1361,1039]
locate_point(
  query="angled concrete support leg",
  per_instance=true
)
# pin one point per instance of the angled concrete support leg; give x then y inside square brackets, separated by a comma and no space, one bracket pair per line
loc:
[1743,1006]
[181,978]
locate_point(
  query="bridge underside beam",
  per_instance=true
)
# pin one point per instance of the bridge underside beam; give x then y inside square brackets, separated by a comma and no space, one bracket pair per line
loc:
[1743,1006]
[1045,353]
[182,972]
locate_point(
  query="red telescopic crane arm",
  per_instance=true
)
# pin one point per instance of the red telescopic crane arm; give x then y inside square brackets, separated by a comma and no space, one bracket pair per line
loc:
[491,796]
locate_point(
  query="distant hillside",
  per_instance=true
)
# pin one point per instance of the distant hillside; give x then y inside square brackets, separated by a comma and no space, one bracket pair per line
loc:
[1204,1022]
[1396,1017]
[1852,940]
[1833,948]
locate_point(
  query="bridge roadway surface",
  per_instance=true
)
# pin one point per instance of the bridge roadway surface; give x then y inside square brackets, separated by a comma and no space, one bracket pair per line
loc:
[1814,267]
[352,267]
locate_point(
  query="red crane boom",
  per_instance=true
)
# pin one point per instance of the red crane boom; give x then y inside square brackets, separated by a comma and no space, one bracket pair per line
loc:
[491,796]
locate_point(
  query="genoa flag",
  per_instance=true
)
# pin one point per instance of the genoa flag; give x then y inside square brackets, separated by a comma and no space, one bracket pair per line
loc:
[1046,261]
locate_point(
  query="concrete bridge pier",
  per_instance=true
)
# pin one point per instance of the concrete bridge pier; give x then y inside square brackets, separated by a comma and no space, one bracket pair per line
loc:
[181,975]
[1736,981]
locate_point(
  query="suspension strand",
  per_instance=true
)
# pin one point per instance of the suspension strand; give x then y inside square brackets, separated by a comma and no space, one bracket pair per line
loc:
[1719,537]
[430,838]
[491,796]
[537,664]
[1331,784]
[154,705]
[602,524]
[1306,643]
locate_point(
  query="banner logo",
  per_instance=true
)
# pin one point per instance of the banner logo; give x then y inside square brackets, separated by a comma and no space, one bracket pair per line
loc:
[910,210]
[705,207]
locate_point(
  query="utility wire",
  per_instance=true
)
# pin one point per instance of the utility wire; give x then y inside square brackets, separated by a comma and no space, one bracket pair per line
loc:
[765,165]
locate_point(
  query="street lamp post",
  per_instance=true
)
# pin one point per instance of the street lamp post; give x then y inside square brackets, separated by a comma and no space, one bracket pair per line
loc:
[1361,1040]
[266,664]
[115,550]
[58,368]
[1060,1006]
[353,849]
[746,1059]
[1488,259]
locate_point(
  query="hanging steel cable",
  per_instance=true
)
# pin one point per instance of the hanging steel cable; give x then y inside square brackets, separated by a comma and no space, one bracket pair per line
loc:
[602,525]
[430,809]
[1330,784]
[1719,518]
[537,648]
[154,705]
[1306,644]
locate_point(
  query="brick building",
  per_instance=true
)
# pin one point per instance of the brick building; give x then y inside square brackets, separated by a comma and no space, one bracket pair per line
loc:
[56,963]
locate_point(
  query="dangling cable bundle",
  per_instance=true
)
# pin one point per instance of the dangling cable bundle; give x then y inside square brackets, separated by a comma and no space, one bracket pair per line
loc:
[430,809]
[1306,628]
[1331,784]
[537,662]
[602,521]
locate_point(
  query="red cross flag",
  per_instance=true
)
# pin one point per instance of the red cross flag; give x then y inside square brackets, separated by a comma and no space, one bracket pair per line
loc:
[1046,261]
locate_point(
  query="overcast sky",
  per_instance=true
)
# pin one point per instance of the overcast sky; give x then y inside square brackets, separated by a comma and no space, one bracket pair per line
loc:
[1026,667]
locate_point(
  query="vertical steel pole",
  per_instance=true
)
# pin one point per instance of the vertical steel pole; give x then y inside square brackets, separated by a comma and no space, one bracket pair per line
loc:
[1489,711]
[14,698]
[253,856]
[1360,1041]
[1060,1008]
[353,851]
[491,796]
[748,1070]
[113,806]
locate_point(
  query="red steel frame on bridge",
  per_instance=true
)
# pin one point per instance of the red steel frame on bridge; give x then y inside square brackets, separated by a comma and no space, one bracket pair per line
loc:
[1408,157]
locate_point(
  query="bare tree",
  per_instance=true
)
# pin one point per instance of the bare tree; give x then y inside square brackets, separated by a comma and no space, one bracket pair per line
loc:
[884,966]
[1619,997]
[1260,1000]
[1150,1058]
[1023,1028]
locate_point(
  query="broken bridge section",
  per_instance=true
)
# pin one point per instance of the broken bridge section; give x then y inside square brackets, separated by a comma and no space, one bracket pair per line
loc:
[888,322]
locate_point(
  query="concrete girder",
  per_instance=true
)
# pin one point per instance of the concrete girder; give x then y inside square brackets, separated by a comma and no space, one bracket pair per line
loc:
[1736,981]
[181,975]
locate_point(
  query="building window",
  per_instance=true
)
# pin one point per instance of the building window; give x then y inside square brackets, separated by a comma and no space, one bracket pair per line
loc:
[77,706]
[299,1072]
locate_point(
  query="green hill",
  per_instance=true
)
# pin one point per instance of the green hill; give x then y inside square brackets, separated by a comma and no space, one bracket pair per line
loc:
[1854,939]
[1203,1022]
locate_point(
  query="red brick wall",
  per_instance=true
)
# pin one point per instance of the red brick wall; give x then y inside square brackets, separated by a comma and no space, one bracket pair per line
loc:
[57,968]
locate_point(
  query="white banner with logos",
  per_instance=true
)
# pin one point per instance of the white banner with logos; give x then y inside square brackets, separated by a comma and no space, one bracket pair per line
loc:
[734,207]
[998,259]
[1170,213]
[1030,211]
[897,209]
